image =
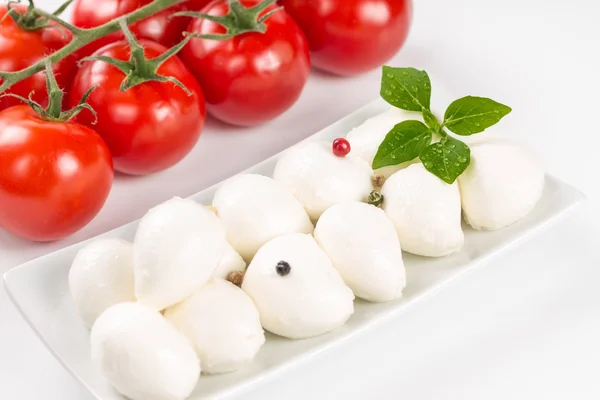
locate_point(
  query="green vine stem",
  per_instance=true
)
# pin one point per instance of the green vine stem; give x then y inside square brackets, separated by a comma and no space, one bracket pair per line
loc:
[81,37]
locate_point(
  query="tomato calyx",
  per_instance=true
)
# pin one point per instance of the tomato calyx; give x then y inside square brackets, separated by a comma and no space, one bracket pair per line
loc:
[53,112]
[238,20]
[140,69]
[32,19]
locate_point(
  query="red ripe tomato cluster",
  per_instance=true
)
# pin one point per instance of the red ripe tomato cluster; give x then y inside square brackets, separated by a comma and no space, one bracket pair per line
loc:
[56,175]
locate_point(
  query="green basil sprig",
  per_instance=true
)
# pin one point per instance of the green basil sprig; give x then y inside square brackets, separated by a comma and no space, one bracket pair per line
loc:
[410,89]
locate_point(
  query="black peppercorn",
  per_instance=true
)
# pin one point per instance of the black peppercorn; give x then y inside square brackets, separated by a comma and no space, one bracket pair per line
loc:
[283,268]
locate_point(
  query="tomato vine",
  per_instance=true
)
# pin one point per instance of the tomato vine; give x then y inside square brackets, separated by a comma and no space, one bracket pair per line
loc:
[81,37]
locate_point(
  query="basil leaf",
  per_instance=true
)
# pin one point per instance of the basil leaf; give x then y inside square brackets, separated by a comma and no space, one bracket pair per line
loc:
[403,143]
[472,114]
[406,88]
[446,159]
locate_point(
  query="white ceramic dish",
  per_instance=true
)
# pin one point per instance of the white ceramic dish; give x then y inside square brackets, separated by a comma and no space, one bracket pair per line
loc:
[39,289]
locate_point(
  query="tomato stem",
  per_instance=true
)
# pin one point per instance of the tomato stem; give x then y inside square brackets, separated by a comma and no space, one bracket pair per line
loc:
[81,37]
[138,60]
[238,20]
[55,94]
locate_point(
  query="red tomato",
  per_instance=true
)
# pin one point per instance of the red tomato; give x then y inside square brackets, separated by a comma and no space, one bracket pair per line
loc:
[349,37]
[20,48]
[152,125]
[251,78]
[158,27]
[54,176]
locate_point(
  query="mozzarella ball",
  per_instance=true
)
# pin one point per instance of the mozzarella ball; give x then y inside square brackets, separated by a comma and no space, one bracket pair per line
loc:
[366,138]
[256,209]
[177,246]
[320,179]
[295,288]
[222,323]
[101,275]
[363,245]
[230,262]
[425,211]
[502,184]
[142,355]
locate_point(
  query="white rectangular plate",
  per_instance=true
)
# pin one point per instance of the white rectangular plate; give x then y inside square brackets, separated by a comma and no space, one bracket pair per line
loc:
[39,289]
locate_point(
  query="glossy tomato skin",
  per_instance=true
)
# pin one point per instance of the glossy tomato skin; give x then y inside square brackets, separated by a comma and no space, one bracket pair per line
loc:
[251,78]
[20,49]
[54,176]
[159,27]
[349,37]
[150,126]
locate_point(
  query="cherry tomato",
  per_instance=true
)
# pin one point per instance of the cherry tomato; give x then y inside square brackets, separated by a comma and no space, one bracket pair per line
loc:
[349,37]
[159,27]
[54,176]
[251,78]
[150,126]
[20,48]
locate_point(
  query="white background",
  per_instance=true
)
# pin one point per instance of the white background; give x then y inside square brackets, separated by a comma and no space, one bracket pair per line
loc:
[526,326]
